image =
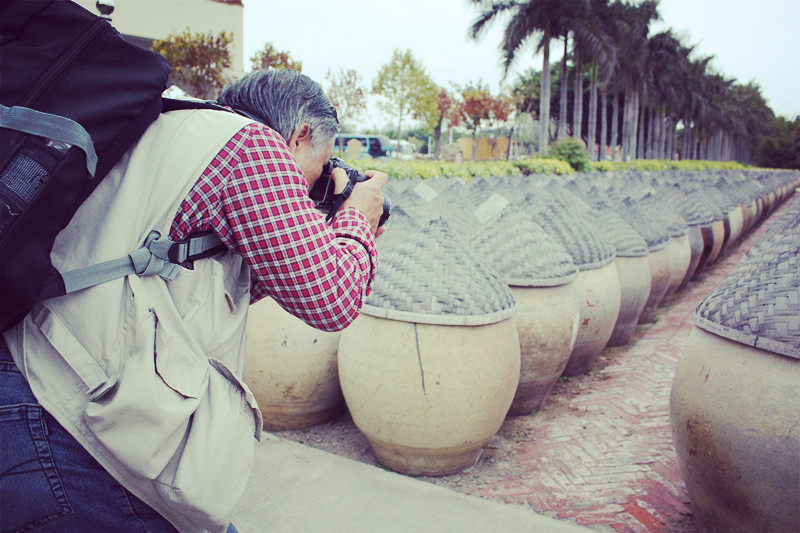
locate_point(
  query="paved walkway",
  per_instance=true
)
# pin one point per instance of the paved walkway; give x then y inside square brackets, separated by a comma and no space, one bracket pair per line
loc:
[607,461]
[598,456]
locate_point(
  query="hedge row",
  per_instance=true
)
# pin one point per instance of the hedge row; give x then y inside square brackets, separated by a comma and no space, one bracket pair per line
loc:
[402,169]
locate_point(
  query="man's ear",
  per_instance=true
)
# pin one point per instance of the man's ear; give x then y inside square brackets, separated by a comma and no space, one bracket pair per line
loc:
[300,134]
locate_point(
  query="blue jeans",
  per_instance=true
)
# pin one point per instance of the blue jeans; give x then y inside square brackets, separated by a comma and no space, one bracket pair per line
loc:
[48,482]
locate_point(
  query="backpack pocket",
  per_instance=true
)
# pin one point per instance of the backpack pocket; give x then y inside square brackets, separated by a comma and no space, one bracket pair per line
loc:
[43,173]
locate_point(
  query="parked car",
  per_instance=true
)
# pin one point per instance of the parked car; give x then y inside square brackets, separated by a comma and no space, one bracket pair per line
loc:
[371,145]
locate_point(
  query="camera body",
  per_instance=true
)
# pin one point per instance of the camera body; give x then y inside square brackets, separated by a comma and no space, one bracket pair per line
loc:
[329,202]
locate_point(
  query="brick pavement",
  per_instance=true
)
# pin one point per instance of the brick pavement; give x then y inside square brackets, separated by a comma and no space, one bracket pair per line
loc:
[606,460]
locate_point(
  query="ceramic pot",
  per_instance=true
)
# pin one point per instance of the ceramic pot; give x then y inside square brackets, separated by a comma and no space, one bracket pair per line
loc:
[599,295]
[634,282]
[720,236]
[680,258]
[696,246]
[734,221]
[291,368]
[750,215]
[734,421]
[660,262]
[428,397]
[547,323]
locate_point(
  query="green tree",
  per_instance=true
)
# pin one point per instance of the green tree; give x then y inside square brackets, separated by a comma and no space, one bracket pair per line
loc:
[779,145]
[198,61]
[270,57]
[347,94]
[573,152]
[406,89]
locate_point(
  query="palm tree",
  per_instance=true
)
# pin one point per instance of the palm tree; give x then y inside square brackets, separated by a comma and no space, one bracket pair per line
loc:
[664,53]
[544,19]
[633,49]
[755,115]
[612,19]
[692,104]
[561,130]
[593,44]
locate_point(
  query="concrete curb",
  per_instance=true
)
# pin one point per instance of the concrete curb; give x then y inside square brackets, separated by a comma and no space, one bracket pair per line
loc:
[298,489]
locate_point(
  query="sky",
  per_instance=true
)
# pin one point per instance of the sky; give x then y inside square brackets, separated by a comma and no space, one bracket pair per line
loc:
[749,39]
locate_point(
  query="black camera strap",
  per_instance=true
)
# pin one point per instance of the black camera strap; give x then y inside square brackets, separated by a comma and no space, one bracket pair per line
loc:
[339,199]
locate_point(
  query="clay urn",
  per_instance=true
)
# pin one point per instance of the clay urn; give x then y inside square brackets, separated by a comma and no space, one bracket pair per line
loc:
[633,268]
[597,284]
[679,196]
[291,368]
[659,256]
[430,367]
[734,404]
[541,276]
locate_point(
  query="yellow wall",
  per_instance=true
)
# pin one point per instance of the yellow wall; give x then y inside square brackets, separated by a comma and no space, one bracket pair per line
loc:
[155,19]
[495,148]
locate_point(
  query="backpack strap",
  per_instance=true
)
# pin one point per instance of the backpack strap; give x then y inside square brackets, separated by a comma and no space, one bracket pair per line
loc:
[50,126]
[158,256]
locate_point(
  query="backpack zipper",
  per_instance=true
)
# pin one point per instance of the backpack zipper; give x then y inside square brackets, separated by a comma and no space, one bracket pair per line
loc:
[63,61]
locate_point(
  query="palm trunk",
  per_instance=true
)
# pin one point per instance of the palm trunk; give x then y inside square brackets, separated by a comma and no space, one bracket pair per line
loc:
[603,124]
[673,140]
[577,109]
[544,102]
[625,142]
[592,134]
[686,138]
[615,152]
[562,108]
[642,127]
[634,117]
[629,119]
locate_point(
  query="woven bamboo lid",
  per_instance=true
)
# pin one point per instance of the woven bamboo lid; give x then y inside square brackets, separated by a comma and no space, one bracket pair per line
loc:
[626,240]
[432,277]
[589,250]
[522,252]
[758,303]
[398,227]
[455,206]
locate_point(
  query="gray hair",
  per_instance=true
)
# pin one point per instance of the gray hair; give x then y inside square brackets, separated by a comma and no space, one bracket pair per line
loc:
[283,99]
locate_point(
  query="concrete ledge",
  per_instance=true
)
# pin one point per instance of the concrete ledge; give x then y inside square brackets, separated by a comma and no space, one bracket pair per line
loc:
[298,489]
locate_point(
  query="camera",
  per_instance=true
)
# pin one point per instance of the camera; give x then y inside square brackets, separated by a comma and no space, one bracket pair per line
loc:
[328,202]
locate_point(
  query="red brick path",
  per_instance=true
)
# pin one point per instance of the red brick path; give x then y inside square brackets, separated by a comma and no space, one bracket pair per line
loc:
[607,460]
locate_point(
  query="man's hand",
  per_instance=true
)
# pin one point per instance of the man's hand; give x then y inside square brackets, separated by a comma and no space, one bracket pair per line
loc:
[367,196]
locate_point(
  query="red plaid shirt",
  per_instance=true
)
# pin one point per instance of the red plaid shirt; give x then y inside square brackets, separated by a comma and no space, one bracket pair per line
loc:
[255,198]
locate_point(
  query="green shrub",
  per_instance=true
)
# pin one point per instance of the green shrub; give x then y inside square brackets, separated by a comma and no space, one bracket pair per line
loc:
[543,166]
[664,164]
[573,152]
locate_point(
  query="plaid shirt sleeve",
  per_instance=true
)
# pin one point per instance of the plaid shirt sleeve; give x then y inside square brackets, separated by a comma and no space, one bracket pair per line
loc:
[255,198]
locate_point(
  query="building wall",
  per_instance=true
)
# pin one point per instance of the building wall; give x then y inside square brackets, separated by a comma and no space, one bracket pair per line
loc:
[155,19]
